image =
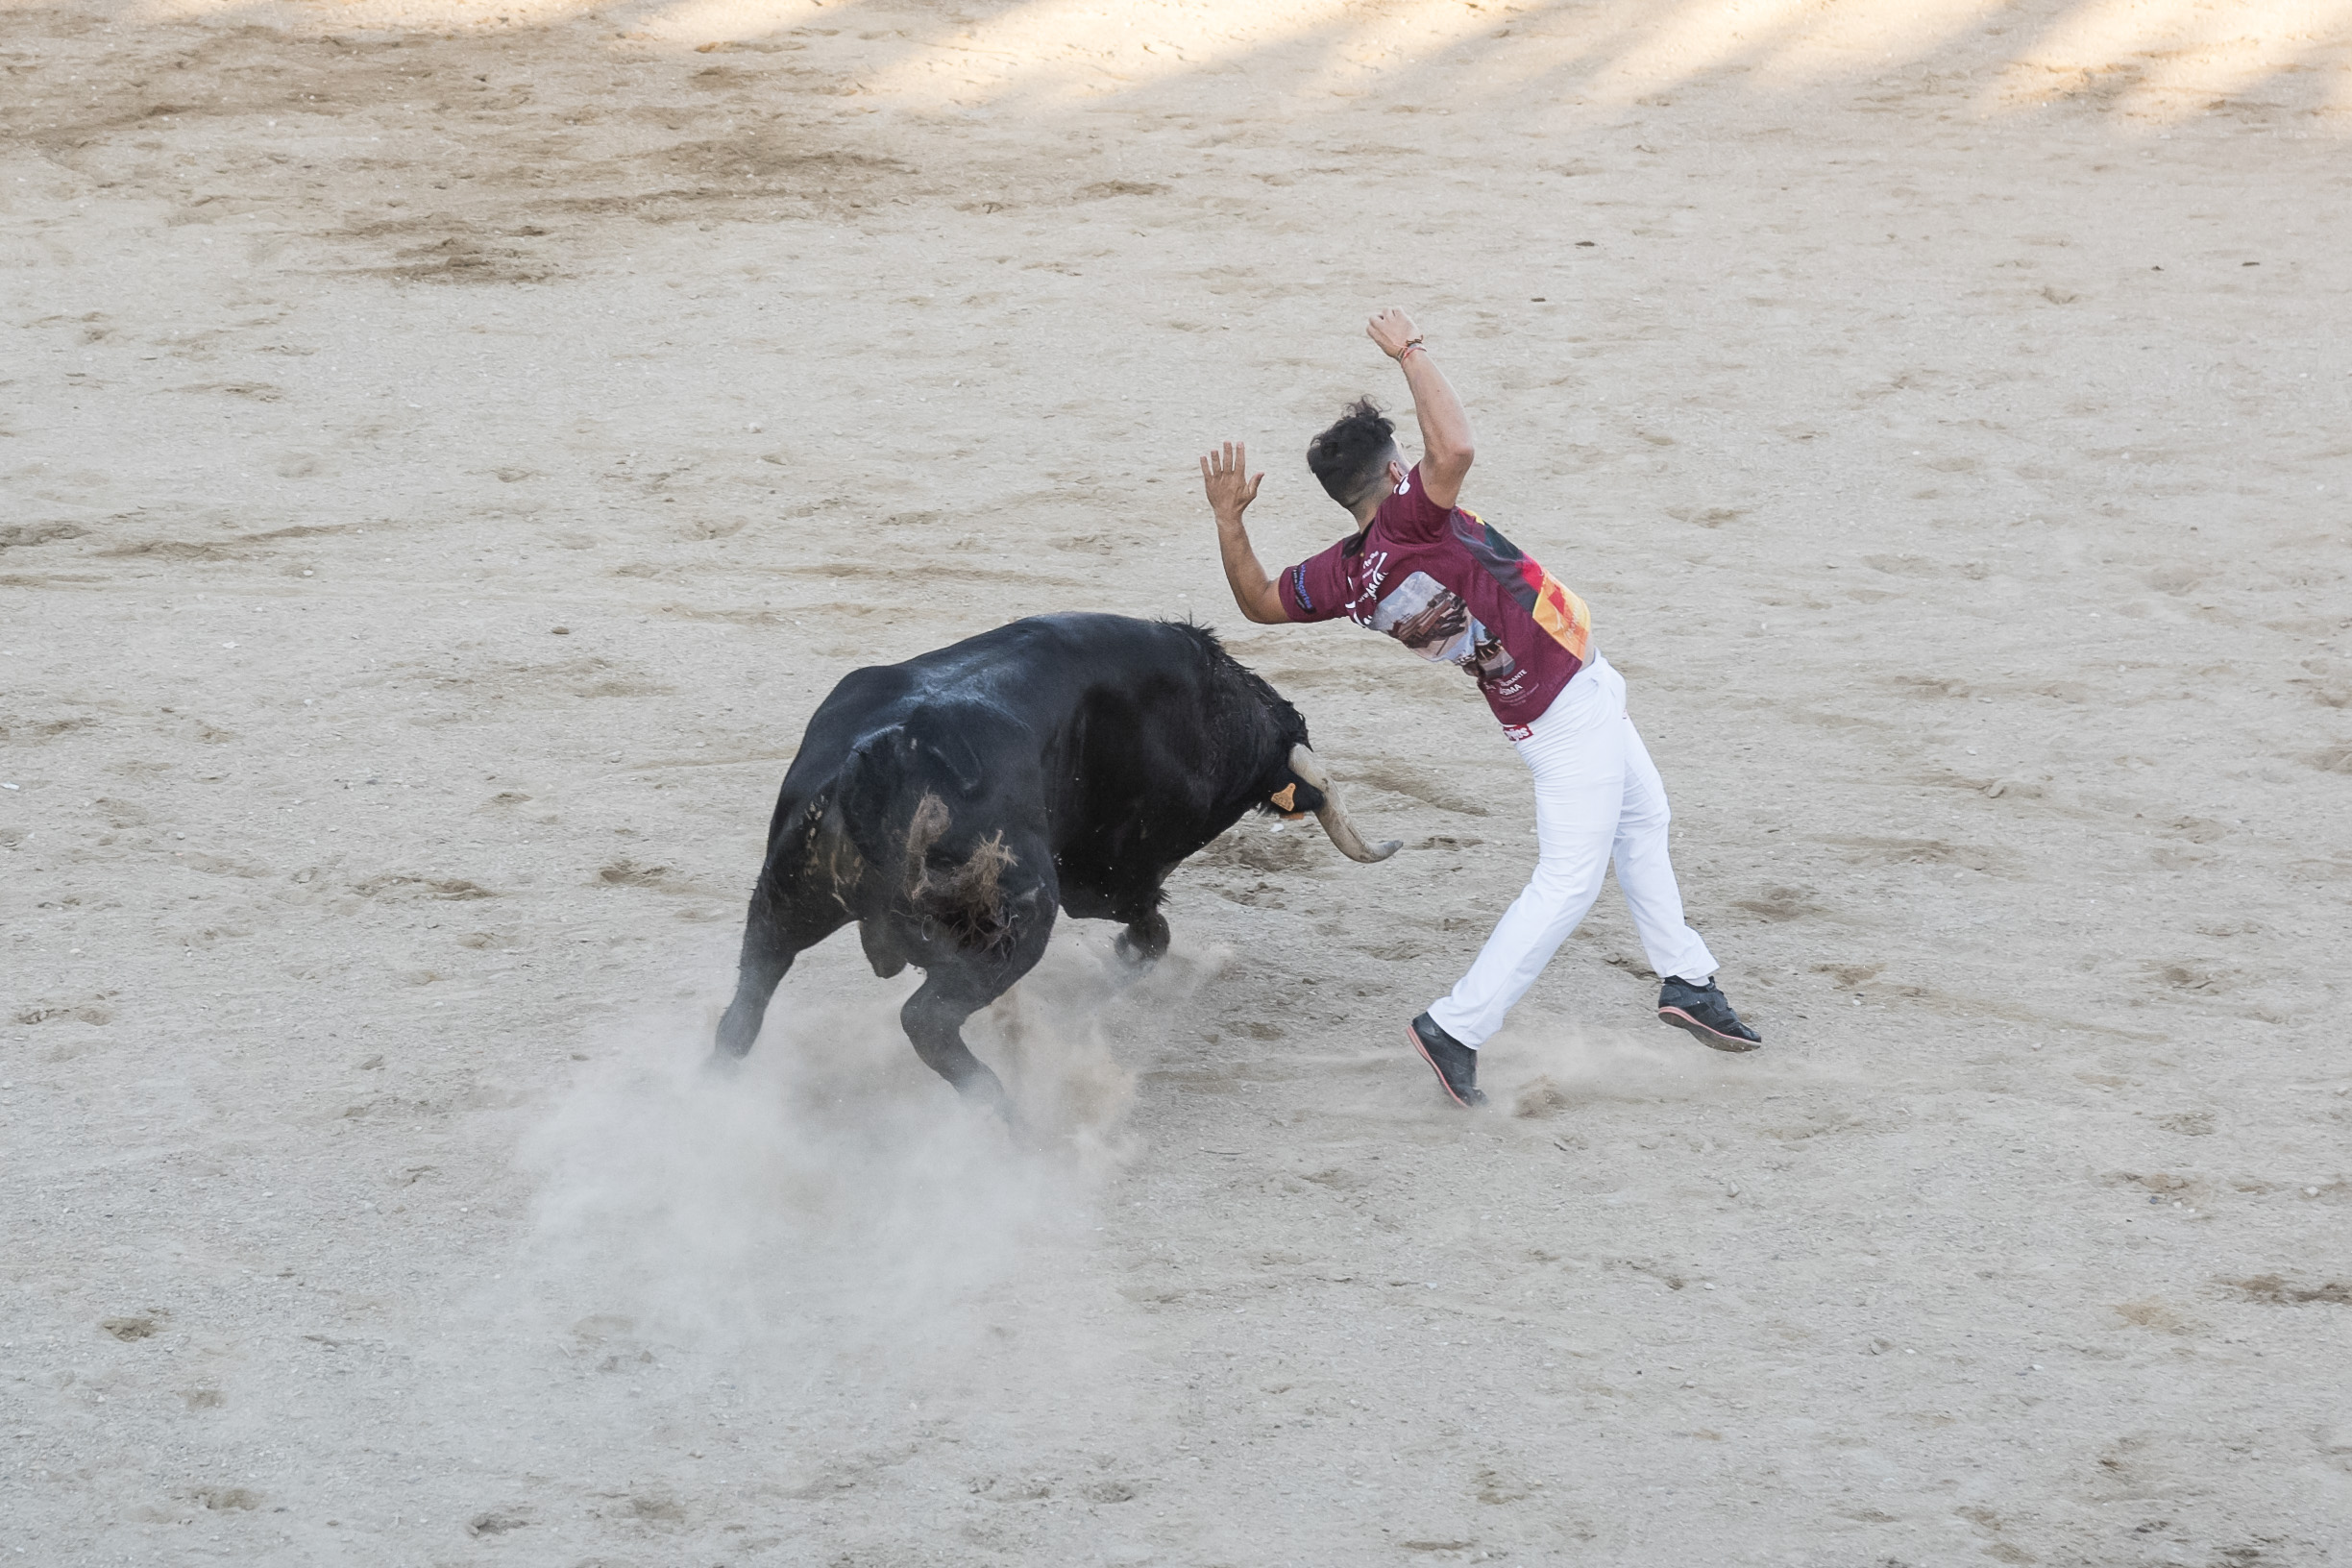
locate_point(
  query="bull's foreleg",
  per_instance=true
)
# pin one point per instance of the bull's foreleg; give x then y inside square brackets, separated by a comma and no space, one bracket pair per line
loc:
[1144,940]
[1147,938]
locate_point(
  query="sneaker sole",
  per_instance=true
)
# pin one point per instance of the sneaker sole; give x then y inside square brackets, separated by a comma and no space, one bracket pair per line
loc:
[1703,1034]
[1414,1037]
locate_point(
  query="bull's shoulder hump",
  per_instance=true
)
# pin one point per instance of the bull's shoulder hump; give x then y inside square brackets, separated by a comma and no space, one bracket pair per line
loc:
[1086,622]
[1116,640]
[1037,654]
[1032,647]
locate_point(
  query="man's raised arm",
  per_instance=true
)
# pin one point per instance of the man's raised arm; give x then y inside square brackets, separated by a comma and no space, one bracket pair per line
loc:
[1446,449]
[1231,489]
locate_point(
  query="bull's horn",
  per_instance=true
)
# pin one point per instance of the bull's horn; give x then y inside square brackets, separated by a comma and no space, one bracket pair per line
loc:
[1334,815]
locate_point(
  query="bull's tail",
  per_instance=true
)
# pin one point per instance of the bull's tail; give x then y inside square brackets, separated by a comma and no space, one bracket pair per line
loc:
[964,900]
[909,795]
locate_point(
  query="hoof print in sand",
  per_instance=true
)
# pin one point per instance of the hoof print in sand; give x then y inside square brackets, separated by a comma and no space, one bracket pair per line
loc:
[2277,1291]
[1780,904]
[497,1522]
[451,887]
[629,873]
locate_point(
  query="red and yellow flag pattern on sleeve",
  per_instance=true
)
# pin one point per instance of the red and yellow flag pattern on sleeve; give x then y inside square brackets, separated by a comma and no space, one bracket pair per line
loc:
[1562,614]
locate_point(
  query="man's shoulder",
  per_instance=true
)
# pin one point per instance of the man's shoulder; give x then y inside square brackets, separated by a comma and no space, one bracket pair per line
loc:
[1336,552]
[1410,510]
[1320,583]
[1436,529]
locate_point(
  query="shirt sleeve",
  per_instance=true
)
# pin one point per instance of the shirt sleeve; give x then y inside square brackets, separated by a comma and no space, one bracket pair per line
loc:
[1313,589]
[1412,518]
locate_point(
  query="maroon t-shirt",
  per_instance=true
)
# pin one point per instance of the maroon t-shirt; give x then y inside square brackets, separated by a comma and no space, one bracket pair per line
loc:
[1448,586]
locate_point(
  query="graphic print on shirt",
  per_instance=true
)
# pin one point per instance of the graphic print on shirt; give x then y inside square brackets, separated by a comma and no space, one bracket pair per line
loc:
[1431,620]
[1556,609]
[1440,580]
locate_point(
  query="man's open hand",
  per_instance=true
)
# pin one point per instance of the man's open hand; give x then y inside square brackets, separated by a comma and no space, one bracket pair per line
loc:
[1223,474]
[1392,331]
[1232,487]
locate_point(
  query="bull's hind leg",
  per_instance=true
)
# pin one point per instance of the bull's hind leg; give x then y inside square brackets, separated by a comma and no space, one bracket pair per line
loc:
[771,940]
[954,990]
[756,977]
[934,1019]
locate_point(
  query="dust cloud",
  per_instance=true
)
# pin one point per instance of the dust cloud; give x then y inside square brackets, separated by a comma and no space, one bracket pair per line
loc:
[826,1210]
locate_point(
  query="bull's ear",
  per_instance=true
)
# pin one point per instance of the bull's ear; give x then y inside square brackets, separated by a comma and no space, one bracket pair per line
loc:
[954,752]
[1295,797]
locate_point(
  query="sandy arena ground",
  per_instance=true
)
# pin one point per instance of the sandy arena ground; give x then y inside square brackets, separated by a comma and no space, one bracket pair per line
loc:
[446,449]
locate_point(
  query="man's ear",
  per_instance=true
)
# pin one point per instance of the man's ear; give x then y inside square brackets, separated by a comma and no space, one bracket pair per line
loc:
[1397,474]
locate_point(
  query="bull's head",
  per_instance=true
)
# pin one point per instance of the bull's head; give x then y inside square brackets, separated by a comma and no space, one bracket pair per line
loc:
[1308,769]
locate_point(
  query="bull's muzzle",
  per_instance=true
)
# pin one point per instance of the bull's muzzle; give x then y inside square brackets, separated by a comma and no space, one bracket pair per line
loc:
[1332,816]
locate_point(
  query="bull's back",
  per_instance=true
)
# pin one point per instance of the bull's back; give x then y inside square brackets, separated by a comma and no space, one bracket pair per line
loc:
[1106,704]
[1039,671]
[1043,663]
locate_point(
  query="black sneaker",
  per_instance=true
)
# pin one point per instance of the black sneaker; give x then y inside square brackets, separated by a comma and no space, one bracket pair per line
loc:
[1701,1011]
[1455,1064]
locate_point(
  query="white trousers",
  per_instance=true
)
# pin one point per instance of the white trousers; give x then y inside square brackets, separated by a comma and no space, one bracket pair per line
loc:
[1598,798]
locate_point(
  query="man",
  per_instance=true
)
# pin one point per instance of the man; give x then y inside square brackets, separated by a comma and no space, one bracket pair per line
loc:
[1442,581]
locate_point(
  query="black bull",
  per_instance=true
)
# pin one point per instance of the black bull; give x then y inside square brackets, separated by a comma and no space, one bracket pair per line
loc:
[951,804]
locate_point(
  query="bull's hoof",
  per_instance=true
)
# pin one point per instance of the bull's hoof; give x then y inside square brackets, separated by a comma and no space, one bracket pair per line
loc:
[983,1089]
[1023,1136]
[738,1031]
[1140,947]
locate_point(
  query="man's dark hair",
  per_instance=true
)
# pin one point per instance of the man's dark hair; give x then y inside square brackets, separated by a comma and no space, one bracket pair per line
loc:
[1352,457]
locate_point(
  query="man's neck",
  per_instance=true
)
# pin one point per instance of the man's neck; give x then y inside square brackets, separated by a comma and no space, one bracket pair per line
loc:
[1368,506]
